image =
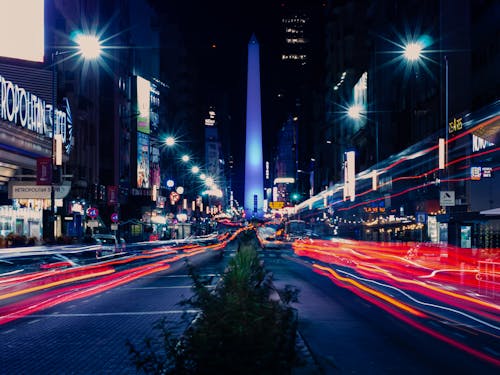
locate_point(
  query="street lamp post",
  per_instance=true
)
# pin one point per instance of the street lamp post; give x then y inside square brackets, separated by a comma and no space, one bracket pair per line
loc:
[446,117]
[412,52]
[54,166]
[89,47]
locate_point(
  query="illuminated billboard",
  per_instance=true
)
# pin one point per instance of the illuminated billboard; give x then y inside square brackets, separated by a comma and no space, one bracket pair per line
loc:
[22,29]
[142,161]
[143,105]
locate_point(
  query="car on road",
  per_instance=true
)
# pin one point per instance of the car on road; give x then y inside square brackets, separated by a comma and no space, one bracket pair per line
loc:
[110,244]
[28,262]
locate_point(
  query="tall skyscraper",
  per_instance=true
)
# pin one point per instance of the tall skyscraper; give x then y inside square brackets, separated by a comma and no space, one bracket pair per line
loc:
[299,80]
[254,175]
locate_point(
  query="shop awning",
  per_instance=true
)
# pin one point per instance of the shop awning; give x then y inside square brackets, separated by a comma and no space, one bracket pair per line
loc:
[493,211]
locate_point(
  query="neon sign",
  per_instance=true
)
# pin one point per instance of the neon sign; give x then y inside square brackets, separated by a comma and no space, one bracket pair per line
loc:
[26,109]
[479,143]
[455,125]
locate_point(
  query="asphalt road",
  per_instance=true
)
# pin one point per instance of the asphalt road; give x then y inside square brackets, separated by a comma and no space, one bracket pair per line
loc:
[347,335]
[344,334]
[88,336]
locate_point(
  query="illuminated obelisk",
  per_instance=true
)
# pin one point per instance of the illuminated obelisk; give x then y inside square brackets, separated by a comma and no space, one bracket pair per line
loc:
[254,175]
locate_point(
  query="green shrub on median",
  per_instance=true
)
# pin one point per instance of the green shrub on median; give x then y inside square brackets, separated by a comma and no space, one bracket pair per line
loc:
[240,329]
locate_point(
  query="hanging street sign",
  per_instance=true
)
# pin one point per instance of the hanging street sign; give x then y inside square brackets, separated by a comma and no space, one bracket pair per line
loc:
[447,198]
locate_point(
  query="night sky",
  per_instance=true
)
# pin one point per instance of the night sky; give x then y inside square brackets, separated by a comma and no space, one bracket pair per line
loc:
[216,35]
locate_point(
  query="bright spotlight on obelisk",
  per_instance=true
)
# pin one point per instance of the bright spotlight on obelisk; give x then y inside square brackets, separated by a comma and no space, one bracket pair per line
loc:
[254,175]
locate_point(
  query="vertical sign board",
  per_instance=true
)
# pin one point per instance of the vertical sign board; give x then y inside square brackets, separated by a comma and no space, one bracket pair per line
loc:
[442,154]
[112,195]
[349,176]
[43,171]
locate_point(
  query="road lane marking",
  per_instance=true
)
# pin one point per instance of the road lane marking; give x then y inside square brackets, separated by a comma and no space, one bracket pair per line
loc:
[123,313]
[181,276]
[34,321]
[166,287]
[9,331]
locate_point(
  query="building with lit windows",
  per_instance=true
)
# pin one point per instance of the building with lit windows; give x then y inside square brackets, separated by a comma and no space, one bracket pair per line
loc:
[214,164]
[409,105]
[94,115]
[285,164]
[295,39]
[299,88]
[27,127]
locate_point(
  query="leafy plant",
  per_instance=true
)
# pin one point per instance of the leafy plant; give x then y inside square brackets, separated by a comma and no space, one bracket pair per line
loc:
[240,329]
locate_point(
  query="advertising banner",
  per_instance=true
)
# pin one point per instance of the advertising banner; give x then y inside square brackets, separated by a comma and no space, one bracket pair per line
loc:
[143,177]
[155,166]
[22,30]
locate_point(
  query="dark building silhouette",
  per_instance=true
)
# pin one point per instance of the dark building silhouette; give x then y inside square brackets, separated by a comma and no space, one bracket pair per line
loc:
[298,80]
[405,102]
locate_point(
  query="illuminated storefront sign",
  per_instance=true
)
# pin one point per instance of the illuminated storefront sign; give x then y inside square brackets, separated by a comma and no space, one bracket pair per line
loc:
[374,209]
[476,173]
[284,180]
[21,107]
[26,109]
[455,125]
[479,143]
[486,172]
[277,205]
[29,190]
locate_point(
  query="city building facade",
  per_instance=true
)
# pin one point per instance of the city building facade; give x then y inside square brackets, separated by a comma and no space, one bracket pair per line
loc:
[405,101]
[95,184]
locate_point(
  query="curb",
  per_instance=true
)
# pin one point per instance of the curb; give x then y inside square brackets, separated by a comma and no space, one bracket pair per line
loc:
[307,364]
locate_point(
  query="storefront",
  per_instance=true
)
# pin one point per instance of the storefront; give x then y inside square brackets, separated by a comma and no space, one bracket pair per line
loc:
[26,154]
